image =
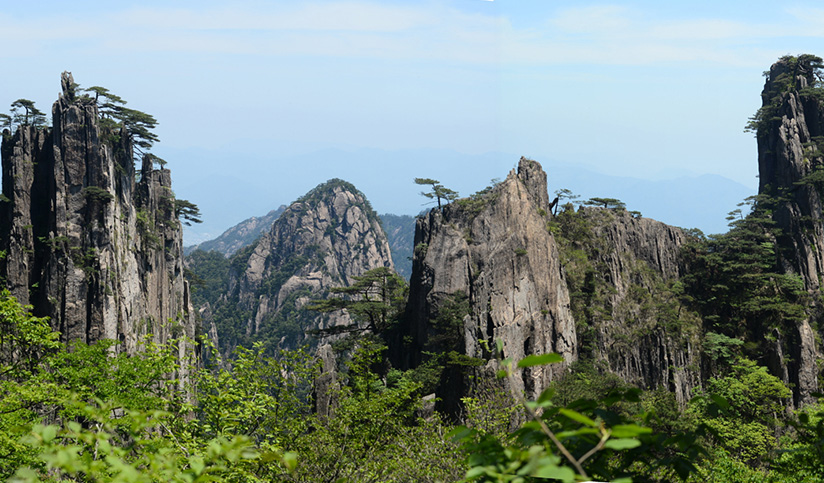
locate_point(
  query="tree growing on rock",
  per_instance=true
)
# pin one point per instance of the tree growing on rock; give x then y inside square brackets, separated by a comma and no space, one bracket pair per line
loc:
[609,203]
[139,125]
[30,115]
[374,300]
[438,192]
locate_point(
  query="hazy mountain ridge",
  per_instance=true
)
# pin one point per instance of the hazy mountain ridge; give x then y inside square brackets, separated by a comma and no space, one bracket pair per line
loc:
[699,201]
[244,233]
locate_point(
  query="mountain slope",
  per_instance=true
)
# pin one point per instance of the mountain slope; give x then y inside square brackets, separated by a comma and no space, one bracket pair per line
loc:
[243,234]
[320,241]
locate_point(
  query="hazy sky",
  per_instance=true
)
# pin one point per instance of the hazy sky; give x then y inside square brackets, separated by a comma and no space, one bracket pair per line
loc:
[648,89]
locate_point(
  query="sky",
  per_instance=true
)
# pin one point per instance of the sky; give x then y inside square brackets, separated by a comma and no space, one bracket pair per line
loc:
[256,92]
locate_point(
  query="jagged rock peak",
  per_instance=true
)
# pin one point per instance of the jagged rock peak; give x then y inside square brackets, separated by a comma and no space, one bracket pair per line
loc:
[494,249]
[790,131]
[534,178]
[97,252]
[322,240]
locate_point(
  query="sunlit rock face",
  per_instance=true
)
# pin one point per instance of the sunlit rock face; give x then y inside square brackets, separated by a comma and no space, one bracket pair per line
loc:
[497,248]
[323,240]
[87,244]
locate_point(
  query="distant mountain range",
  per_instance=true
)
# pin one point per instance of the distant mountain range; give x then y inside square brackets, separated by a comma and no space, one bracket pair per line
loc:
[257,183]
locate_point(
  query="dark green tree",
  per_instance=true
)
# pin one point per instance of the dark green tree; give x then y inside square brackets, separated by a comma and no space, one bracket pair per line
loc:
[5,122]
[735,281]
[438,192]
[610,203]
[30,115]
[187,211]
[375,301]
[139,125]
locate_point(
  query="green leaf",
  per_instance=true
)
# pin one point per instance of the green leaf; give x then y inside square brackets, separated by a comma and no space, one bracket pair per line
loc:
[197,465]
[540,360]
[460,433]
[622,443]
[290,461]
[629,430]
[577,432]
[49,433]
[546,396]
[576,416]
[557,472]
[475,472]
[720,401]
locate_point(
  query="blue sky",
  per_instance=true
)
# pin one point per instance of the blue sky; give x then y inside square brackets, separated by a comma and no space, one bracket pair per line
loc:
[643,89]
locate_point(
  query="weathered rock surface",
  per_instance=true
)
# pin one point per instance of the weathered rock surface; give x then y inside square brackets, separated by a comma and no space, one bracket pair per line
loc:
[497,250]
[789,152]
[90,247]
[321,241]
[241,235]
[598,290]
[639,328]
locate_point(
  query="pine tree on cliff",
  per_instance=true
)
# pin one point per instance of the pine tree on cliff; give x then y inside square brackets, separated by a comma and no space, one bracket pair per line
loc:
[439,191]
[30,115]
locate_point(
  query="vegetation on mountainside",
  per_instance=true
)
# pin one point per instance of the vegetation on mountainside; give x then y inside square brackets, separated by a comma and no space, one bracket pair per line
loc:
[734,280]
[650,304]
[809,67]
[93,413]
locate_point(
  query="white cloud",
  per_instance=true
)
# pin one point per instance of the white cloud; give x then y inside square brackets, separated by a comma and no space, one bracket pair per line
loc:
[602,34]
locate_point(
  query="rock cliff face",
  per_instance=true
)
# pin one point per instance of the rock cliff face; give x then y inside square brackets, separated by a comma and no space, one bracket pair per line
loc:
[625,309]
[87,245]
[790,132]
[591,284]
[321,241]
[495,248]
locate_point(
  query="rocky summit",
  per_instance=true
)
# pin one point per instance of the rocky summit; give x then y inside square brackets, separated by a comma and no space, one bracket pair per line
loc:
[320,241]
[89,242]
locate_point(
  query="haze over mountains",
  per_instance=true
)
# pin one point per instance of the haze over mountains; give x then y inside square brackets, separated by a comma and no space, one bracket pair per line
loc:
[254,184]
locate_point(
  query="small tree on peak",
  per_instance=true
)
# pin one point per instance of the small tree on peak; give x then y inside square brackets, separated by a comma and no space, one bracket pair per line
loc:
[375,300]
[438,192]
[5,122]
[610,203]
[138,124]
[30,115]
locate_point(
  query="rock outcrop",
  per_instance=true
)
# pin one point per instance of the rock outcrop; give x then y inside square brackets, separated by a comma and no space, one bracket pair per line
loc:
[321,241]
[790,133]
[496,250]
[591,284]
[627,313]
[88,246]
